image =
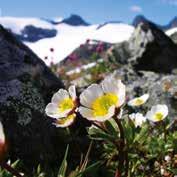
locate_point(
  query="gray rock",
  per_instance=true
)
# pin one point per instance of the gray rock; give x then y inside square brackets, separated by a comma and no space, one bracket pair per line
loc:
[161,88]
[152,50]
[26,86]
[174,37]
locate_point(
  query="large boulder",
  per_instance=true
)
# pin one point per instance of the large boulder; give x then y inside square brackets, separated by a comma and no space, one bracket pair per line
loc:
[152,50]
[26,86]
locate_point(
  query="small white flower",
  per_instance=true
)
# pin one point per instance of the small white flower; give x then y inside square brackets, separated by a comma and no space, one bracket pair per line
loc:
[157,113]
[62,107]
[100,100]
[167,158]
[162,171]
[3,144]
[66,121]
[137,118]
[2,135]
[139,100]
[62,103]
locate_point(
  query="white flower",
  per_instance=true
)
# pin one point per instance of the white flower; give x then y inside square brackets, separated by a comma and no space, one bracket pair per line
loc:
[66,121]
[139,100]
[62,107]
[157,113]
[137,118]
[162,171]
[3,144]
[2,135]
[167,158]
[100,100]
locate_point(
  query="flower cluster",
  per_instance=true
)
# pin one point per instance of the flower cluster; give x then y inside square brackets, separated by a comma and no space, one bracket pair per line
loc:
[99,102]
[157,112]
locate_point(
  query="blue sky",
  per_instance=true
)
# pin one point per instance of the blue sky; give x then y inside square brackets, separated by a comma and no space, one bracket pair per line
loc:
[93,11]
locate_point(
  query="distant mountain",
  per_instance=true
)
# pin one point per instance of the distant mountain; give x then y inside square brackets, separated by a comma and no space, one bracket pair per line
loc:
[75,20]
[29,29]
[172,24]
[54,40]
[32,34]
[138,19]
[142,19]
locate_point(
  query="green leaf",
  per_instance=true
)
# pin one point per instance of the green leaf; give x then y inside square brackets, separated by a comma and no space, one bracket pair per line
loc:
[141,137]
[129,130]
[89,168]
[174,171]
[112,127]
[98,134]
[63,167]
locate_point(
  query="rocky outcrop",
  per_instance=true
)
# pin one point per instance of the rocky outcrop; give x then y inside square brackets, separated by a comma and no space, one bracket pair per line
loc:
[26,86]
[162,88]
[152,50]
[138,19]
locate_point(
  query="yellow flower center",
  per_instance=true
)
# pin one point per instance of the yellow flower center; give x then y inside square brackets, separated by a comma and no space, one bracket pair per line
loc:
[138,102]
[66,104]
[158,116]
[102,104]
[65,120]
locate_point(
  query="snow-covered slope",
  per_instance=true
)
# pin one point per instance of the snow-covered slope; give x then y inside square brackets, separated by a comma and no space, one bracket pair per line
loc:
[113,33]
[68,37]
[171,31]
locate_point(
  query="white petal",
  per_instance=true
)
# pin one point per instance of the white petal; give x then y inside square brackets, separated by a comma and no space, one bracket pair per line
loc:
[53,111]
[132,116]
[139,119]
[72,92]
[149,115]
[110,114]
[90,94]
[88,114]
[2,135]
[121,94]
[66,121]
[112,85]
[143,99]
[59,96]
[165,110]
[109,85]
[85,112]
[161,108]
[156,109]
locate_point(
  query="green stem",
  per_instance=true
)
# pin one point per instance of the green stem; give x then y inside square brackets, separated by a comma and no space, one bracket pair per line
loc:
[165,132]
[120,147]
[100,127]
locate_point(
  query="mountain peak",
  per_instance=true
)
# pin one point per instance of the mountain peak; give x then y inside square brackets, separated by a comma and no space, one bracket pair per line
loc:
[173,22]
[139,19]
[75,20]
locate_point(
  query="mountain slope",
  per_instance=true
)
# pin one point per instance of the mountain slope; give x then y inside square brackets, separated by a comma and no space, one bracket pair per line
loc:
[69,38]
[53,40]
